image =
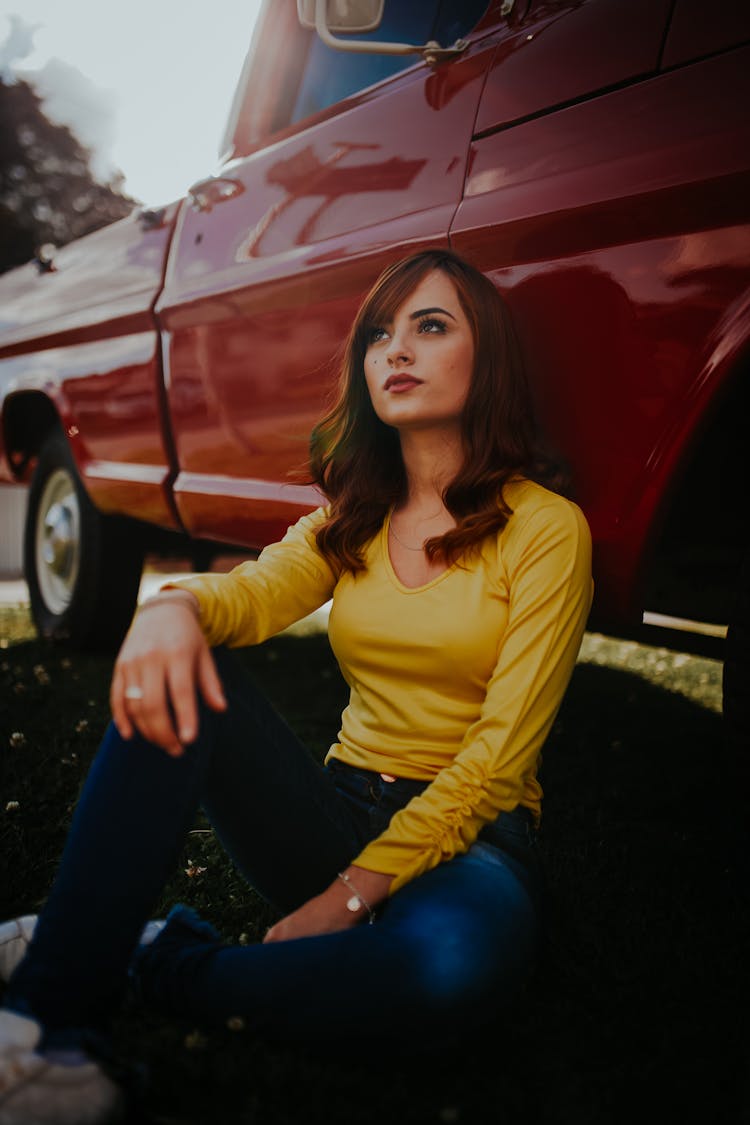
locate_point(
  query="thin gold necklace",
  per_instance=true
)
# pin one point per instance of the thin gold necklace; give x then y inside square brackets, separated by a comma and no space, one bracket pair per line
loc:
[392,530]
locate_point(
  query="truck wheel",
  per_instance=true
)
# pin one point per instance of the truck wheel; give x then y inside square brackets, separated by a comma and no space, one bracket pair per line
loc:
[83,569]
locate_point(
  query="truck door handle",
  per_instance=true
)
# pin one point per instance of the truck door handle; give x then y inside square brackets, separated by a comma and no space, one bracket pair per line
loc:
[204,194]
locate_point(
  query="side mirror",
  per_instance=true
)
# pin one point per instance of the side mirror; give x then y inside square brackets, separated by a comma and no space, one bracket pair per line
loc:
[352,16]
[360,16]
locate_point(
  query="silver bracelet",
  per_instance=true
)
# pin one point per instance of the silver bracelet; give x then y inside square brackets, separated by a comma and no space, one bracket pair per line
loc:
[356,902]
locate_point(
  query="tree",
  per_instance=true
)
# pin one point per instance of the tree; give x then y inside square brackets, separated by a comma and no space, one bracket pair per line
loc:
[48,193]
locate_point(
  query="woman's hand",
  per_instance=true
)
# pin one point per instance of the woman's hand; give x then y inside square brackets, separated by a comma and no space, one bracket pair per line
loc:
[164,661]
[328,912]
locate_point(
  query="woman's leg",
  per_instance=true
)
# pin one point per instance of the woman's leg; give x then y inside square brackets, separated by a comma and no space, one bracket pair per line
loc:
[275,809]
[448,953]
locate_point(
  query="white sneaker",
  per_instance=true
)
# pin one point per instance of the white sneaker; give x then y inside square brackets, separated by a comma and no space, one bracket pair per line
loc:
[64,1088]
[14,940]
[16,935]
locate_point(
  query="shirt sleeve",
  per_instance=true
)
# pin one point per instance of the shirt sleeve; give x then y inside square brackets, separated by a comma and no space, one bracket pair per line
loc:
[548,566]
[254,601]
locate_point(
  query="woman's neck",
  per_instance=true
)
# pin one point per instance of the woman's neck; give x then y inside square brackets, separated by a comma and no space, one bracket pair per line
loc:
[431,461]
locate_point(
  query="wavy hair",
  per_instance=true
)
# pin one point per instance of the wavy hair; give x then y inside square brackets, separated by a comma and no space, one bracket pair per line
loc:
[355,458]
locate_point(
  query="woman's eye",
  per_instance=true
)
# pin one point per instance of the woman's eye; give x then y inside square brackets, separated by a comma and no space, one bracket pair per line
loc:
[431,324]
[375,335]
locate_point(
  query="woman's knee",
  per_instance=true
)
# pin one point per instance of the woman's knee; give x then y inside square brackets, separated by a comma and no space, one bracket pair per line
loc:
[459,962]
[247,703]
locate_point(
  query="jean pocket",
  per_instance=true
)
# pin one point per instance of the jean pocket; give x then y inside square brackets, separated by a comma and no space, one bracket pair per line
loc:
[394,795]
[350,782]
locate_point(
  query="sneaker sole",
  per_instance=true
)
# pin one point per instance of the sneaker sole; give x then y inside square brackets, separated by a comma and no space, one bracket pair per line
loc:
[14,941]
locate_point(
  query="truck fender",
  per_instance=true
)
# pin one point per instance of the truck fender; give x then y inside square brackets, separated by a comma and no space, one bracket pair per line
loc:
[29,414]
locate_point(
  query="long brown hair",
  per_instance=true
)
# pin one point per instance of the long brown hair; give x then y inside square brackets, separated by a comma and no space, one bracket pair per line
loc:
[355,459]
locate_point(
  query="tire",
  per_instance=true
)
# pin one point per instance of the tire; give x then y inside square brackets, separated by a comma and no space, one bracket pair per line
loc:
[83,569]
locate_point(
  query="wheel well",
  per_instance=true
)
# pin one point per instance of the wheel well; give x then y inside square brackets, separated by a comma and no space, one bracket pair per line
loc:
[704,530]
[28,419]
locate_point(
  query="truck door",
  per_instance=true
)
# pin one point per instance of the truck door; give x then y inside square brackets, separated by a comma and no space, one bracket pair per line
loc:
[584,181]
[363,160]
[607,198]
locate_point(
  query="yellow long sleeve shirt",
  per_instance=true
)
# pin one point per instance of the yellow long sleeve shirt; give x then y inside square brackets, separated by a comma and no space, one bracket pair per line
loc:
[457,681]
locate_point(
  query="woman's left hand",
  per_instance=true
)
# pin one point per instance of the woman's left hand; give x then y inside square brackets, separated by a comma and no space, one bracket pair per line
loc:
[326,913]
[316,916]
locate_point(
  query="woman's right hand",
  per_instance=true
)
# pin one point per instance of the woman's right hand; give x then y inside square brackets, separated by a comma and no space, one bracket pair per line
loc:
[162,665]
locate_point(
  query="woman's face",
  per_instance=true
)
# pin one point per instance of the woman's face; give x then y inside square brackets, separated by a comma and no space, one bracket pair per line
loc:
[418,367]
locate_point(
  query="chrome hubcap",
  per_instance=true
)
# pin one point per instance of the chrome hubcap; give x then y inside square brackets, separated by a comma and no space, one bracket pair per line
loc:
[58,539]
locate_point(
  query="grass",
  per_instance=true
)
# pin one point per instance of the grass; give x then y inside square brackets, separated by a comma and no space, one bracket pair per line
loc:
[640,1003]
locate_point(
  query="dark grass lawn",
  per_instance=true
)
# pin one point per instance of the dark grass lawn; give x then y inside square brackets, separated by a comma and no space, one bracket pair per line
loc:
[639,1009]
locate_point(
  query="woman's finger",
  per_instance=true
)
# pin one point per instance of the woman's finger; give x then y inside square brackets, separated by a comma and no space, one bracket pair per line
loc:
[182,691]
[117,704]
[163,661]
[151,714]
[210,685]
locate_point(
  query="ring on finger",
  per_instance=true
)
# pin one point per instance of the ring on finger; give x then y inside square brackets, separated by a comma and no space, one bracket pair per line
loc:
[133,692]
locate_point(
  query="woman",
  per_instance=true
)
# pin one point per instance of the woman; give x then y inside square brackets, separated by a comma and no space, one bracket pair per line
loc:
[460,587]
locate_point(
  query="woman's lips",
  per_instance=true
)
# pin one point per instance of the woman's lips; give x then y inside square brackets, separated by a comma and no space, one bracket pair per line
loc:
[399,383]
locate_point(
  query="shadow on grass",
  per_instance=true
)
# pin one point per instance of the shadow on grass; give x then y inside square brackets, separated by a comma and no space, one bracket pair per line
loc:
[638,1006]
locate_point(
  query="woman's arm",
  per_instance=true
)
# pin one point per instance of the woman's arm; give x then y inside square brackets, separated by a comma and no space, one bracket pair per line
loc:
[547,559]
[256,600]
[165,659]
[328,912]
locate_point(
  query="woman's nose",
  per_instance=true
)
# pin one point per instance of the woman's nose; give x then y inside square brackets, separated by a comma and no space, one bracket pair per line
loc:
[398,350]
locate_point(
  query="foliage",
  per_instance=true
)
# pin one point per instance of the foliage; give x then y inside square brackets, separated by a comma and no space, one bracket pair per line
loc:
[641,997]
[48,194]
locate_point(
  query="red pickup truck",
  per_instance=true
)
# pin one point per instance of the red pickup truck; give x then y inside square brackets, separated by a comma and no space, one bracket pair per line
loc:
[159,379]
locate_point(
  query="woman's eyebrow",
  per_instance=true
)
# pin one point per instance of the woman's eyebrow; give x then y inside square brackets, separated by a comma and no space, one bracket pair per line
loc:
[423,312]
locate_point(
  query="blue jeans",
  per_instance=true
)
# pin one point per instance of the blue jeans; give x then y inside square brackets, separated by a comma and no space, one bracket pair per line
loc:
[447,952]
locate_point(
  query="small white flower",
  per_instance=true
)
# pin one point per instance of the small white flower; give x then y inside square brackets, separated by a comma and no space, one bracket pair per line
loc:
[41,673]
[192,870]
[18,738]
[12,806]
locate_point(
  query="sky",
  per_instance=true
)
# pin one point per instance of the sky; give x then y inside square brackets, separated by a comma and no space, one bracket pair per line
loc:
[147,85]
